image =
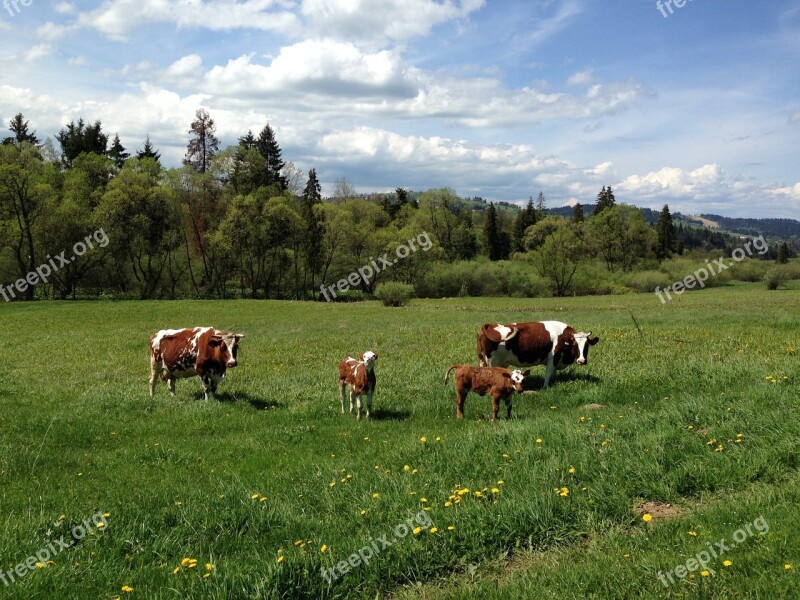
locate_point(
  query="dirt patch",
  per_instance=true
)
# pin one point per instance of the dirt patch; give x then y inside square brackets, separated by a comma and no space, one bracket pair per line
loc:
[592,406]
[658,510]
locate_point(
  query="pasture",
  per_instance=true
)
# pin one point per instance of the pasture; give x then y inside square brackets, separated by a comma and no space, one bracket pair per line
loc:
[255,494]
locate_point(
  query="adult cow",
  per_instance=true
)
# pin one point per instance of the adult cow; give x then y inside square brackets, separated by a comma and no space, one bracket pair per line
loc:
[202,351]
[553,343]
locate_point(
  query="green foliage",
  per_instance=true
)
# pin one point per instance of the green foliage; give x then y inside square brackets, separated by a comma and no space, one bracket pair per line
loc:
[776,277]
[482,278]
[394,293]
[605,200]
[665,232]
[621,236]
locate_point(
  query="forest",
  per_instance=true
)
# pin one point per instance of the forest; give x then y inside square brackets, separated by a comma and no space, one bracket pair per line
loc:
[241,222]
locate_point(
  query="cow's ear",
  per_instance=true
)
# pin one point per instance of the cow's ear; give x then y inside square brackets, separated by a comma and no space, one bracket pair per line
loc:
[215,341]
[593,339]
[526,373]
[238,336]
[491,334]
[506,375]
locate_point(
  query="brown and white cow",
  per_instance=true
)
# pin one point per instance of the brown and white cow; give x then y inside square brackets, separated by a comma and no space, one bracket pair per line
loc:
[202,351]
[553,343]
[498,382]
[359,375]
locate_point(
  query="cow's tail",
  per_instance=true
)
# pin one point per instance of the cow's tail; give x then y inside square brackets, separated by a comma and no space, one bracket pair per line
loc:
[447,375]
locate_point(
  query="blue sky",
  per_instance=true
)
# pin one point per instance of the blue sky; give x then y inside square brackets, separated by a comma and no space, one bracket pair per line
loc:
[699,109]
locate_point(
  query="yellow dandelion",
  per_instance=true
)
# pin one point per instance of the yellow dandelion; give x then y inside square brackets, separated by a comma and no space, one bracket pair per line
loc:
[505,455]
[323,548]
[414,472]
[690,427]
[39,565]
[127,589]
[62,517]
[331,484]
[571,471]
[185,561]
[100,525]
[423,440]
[787,566]
[106,515]
[417,530]
[254,496]
[423,499]
[693,533]
[495,490]
[647,517]
[500,482]
[281,558]
[433,530]
[538,440]
[175,570]
[209,567]
[705,573]
[727,563]
[376,495]
[363,512]
[563,492]
[206,575]
[448,504]
[262,499]
[451,528]
[298,542]
[406,468]
[438,438]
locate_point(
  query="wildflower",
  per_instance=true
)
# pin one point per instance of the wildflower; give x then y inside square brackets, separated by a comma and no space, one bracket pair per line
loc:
[500,482]
[253,496]
[451,528]
[647,517]
[376,495]
[417,530]
[727,563]
[175,570]
[704,573]
[414,472]
[423,499]
[406,468]
[39,565]
[127,589]
[363,512]
[433,530]
[571,470]
[281,558]
[448,504]
[538,440]
[787,566]
[693,533]
[323,548]
[563,492]
[262,499]
[209,567]
[331,484]
[438,438]
[423,440]
[495,490]
[505,455]
[100,525]
[719,448]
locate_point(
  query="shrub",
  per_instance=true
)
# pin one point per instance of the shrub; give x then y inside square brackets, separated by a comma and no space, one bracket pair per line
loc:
[776,277]
[647,281]
[394,293]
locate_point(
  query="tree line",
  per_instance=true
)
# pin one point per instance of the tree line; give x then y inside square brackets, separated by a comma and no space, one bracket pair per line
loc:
[241,222]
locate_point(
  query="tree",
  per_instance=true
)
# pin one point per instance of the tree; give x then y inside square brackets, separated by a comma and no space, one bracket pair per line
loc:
[204,143]
[621,236]
[343,189]
[665,230]
[577,213]
[148,151]
[605,199]
[117,152]
[268,146]
[492,233]
[559,250]
[314,223]
[525,218]
[783,254]
[80,138]
[540,203]
[19,127]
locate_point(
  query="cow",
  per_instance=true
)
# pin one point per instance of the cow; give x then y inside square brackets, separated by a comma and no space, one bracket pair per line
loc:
[553,343]
[500,383]
[359,375]
[202,351]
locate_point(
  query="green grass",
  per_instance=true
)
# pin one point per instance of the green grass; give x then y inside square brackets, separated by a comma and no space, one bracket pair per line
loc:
[177,476]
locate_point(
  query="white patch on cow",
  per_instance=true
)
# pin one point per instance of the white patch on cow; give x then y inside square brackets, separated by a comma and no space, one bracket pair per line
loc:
[517,376]
[555,329]
[161,335]
[504,331]
[502,356]
[368,359]
[582,340]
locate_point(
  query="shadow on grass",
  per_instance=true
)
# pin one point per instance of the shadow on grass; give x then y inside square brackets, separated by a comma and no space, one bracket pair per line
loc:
[255,402]
[536,382]
[388,414]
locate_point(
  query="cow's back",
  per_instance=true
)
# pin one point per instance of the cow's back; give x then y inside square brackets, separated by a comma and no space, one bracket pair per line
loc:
[530,346]
[176,349]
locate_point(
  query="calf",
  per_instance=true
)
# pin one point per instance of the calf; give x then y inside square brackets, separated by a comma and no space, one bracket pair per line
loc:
[359,375]
[552,343]
[202,351]
[500,383]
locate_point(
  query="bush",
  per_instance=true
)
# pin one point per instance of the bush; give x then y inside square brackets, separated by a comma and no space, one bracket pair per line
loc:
[776,277]
[647,281]
[394,293]
[750,270]
[482,278]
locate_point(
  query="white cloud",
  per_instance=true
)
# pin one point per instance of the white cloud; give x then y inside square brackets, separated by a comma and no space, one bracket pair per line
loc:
[794,117]
[65,8]
[52,32]
[581,78]
[78,61]
[37,52]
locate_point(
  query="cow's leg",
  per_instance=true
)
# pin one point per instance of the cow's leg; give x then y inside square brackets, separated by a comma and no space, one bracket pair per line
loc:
[171,385]
[342,385]
[208,386]
[461,396]
[509,400]
[352,392]
[495,406]
[358,407]
[369,401]
[153,375]
[550,370]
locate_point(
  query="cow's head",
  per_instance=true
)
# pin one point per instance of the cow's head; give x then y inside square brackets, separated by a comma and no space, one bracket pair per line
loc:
[582,341]
[517,377]
[368,358]
[228,344]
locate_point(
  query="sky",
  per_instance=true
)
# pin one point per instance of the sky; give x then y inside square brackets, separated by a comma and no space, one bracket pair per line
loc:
[692,103]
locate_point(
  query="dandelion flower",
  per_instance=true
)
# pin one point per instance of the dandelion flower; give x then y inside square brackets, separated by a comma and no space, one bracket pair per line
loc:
[175,570]
[727,563]
[563,492]
[448,504]
[417,530]
[693,533]
[495,490]
[281,558]
[209,567]
[571,470]
[39,565]
[323,548]
[423,499]
[363,512]
[376,495]
[451,528]
[127,589]
[647,517]
[254,496]
[538,440]
[705,573]
[406,468]
[433,530]
[423,440]
[787,566]
[414,472]
[500,482]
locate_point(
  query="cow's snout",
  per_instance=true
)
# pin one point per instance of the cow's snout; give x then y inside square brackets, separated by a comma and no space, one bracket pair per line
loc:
[232,362]
[581,361]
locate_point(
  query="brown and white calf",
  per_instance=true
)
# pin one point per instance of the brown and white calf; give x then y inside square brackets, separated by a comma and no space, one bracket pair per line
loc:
[202,351]
[553,343]
[498,382]
[359,376]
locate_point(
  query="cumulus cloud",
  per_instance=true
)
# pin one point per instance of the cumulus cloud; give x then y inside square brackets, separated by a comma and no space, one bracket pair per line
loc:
[581,78]
[37,52]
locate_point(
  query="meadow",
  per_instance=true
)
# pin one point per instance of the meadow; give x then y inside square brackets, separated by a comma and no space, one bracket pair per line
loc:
[680,431]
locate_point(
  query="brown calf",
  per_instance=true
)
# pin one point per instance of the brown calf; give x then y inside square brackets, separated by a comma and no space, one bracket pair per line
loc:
[500,383]
[359,375]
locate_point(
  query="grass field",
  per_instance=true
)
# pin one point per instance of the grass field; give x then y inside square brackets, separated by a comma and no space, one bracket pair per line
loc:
[270,484]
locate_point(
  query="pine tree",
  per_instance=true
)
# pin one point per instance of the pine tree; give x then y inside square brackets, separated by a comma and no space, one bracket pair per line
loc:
[204,145]
[148,151]
[314,226]
[526,217]
[271,151]
[540,203]
[492,233]
[577,213]
[783,254]
[605,199]
[76,139]
[665,229]
[117,152]
[19,127]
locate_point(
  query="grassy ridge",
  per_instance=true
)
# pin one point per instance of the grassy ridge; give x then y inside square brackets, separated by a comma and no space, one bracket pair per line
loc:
[178,476]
